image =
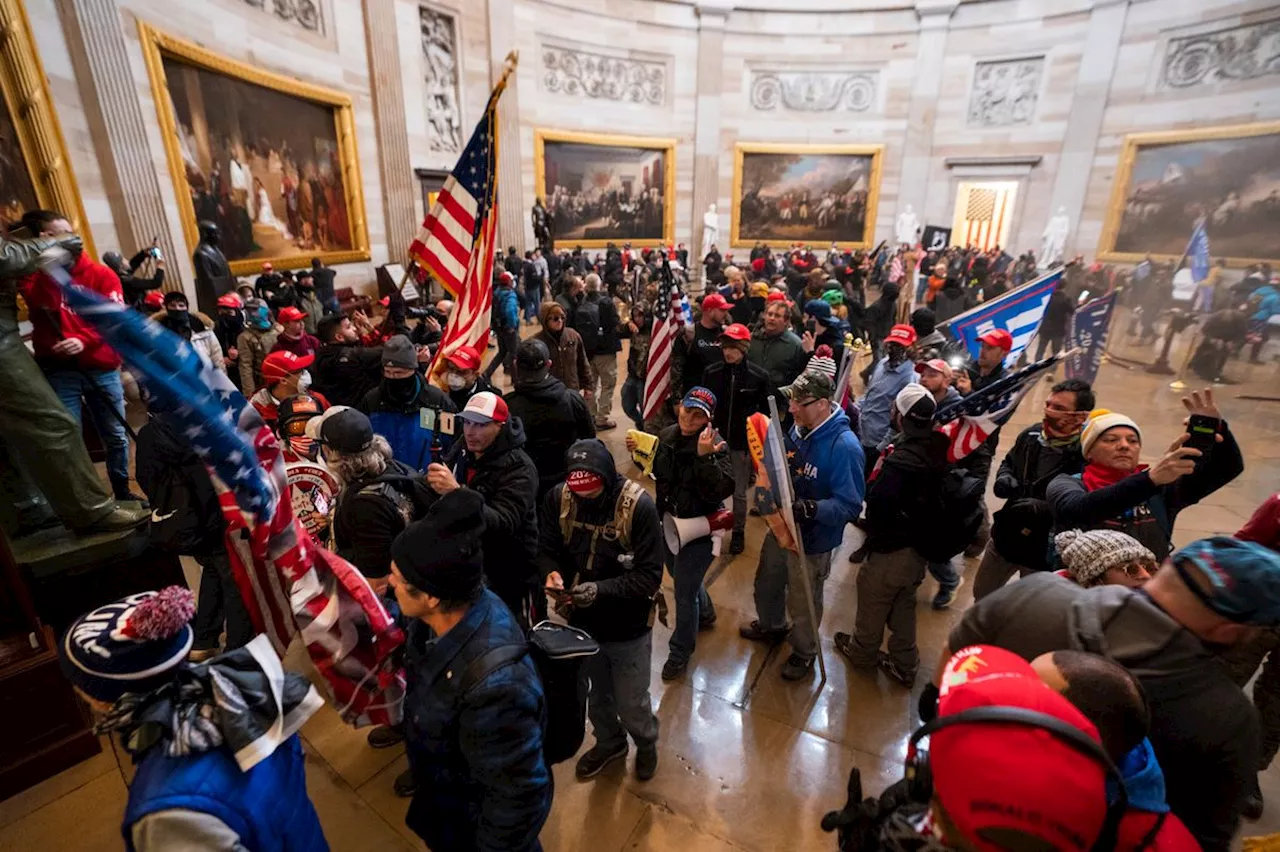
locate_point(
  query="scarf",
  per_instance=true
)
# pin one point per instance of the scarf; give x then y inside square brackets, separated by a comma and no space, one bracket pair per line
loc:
[1097,476]
[231,700]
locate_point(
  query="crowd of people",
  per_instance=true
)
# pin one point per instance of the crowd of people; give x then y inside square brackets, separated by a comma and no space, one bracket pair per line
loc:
[1094,702]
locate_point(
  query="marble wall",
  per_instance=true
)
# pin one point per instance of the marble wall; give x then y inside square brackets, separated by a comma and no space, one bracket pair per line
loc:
[1037,91]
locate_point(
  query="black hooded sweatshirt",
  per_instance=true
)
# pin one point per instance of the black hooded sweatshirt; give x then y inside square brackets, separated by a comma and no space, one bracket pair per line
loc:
[626,586]
[553,417]
[897,500]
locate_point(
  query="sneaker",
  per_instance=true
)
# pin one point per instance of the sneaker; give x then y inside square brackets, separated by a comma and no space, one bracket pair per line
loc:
[405,785]
[596,759]
[753,632]
[646,762]
[738,543]
[844,644]
[889,667]
[385,736]
[673,668]
[797,667]
[946,597]
[707,622]
[606,425]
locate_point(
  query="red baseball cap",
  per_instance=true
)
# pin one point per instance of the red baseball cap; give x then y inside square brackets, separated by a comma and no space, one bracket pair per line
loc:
[757,265]
[736,331]
[230,300]
[278,365]
[901,333]
[998,338]
[715,302]
[777,296]
[464,357]
[385,301]
[291,314]
[266,266]
[153,299]
[485,407]
[936,364]
[997,778]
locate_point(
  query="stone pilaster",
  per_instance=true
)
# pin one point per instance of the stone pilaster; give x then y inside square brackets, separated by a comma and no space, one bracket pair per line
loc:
[706,128]
[1084,122]
[386,83]
[917,153]
[99,51]
[514,228]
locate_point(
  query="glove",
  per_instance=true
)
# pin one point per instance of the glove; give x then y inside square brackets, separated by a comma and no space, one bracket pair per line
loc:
[584,594]
[805,510]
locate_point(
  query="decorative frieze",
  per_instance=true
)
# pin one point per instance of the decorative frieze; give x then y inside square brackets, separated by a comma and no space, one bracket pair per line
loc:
[440,52]
[815,91]
[597,76]
[1234,54]
[1005,92]
[304,13]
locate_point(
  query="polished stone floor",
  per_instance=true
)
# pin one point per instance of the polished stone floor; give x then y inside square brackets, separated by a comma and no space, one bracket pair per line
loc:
[748,761]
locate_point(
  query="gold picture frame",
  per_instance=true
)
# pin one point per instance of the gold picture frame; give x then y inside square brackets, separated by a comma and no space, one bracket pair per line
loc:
[739,239]
[541,138]
[1168,242]
[159,46]
[26,98]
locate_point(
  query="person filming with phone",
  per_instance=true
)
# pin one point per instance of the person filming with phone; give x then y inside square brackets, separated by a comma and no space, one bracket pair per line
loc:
[1116,492]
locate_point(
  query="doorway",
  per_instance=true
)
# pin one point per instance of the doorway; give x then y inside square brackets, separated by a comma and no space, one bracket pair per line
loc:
[984,213]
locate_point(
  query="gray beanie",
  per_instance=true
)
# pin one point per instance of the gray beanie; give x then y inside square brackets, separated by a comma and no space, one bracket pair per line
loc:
[1088,555]
[399,352]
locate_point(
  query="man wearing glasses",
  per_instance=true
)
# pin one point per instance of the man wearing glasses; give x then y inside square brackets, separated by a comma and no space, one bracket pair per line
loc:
[1020,530]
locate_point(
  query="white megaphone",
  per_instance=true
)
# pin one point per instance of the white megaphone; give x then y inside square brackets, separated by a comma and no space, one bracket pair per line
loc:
[682,531]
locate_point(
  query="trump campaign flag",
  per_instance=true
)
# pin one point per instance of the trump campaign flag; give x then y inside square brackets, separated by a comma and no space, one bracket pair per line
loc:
[775,493]
[1088,338]
[970,420]
[1018,312]
[289,585]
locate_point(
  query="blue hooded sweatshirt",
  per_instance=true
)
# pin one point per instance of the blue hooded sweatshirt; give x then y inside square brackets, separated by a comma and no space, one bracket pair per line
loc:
[827,466]
[1143,780]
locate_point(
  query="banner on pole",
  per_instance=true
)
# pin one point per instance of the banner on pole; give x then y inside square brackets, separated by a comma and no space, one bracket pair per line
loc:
[1089,328]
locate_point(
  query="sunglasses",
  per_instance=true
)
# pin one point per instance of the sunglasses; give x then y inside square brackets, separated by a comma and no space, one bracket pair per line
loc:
[807,403]
[1136,570]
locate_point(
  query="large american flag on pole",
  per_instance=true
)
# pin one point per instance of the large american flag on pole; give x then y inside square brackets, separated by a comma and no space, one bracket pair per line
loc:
[969,421]
[669,312]
[289,585]
[457,240]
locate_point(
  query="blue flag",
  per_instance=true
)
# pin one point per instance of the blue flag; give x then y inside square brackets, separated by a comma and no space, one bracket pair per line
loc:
[1198,253]
[1089,328]
[1018,312]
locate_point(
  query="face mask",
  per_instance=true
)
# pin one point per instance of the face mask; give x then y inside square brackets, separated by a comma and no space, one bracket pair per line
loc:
[261,318]
[180,318]
[401,390]
[455,381]
[304,381]
[304,447]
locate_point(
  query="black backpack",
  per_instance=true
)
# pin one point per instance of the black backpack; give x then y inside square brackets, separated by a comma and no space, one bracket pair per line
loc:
[558,653]
[185,514]
[586,321]
[954,512]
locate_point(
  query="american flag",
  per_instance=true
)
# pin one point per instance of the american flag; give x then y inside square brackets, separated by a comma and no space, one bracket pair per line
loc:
[456,243]
[669,315]
[288,584]
[969,421]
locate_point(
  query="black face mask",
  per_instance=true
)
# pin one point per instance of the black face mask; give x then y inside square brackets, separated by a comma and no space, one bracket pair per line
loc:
[233,323]
[180,318]
[401,391]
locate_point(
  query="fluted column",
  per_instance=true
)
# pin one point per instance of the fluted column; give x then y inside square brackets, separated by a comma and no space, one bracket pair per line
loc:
[99,52]
[917,151]
[513,210]
[389,126]
[706,128]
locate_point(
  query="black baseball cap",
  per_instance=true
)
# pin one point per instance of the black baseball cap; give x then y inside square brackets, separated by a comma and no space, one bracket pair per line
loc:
[343,428]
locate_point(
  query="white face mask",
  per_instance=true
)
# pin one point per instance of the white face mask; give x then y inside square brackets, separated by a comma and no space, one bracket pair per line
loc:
[304,381]
[455,381]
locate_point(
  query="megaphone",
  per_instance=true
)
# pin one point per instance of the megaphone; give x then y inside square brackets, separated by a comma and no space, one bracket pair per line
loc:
[682,531]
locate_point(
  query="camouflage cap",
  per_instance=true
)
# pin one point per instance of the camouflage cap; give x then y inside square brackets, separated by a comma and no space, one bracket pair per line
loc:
[811,384]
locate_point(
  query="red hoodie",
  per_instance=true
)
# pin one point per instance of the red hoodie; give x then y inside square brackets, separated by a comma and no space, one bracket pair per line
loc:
[52,320]
[1264,526]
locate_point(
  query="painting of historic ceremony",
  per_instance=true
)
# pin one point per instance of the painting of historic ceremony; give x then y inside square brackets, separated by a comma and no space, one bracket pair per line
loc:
[805,196]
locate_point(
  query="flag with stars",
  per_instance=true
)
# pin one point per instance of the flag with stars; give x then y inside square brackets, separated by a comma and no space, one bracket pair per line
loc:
[289,585]
[969,421]
[456,242]
[671,313]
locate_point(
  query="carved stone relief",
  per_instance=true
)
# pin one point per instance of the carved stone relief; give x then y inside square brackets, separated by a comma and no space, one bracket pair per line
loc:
[304,13]
[440,50]
[814,91]
[1238,53]
[1005,92]
[585,74]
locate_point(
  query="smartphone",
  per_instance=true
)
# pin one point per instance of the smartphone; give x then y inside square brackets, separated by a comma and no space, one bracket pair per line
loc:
[1203,431]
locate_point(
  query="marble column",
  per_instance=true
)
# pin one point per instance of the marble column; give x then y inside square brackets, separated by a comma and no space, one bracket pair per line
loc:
[100,54]
[706,127]
[389,126]
[1084,122]
[917,153]
[514,228]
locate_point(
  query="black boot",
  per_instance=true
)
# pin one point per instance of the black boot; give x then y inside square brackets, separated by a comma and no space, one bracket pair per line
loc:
[120,488]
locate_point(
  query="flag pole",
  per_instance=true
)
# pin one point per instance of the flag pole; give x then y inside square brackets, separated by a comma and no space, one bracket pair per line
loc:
[804,568]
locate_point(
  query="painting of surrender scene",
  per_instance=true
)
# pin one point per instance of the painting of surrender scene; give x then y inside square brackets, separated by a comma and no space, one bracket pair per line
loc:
[788,194]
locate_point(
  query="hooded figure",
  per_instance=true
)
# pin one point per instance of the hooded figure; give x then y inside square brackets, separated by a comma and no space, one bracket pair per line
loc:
[553,416]
[879,318]
[213,273]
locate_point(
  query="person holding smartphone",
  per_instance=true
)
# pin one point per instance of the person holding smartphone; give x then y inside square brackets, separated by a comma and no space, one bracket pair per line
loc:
[1116,492]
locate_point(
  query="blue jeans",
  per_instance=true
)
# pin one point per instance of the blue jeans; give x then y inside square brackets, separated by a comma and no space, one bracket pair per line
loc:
[532,299]
[946,574]
[102,391]
[619,702]
[693,604]
[632,397]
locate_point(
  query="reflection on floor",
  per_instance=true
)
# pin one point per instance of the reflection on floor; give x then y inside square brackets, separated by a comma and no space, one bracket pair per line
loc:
[738,771]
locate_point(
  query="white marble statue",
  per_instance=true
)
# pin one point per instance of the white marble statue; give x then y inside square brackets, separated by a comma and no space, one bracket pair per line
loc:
[710,229]
[1054,239]
[907,227]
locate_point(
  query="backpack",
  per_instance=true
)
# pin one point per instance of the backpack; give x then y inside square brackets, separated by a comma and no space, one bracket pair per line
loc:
[619,528]
[185,517]
[558,652]
[954,511]
[396,488]
[586,321]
